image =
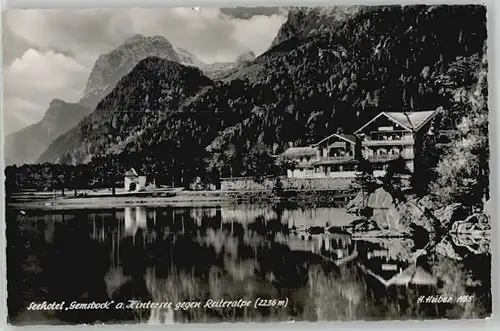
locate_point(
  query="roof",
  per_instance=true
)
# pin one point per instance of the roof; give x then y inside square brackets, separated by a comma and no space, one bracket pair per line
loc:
[132,173]
[347,137]
[413,121]
[299,151]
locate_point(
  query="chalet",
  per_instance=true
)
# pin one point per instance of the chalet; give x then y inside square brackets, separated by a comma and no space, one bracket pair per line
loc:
[387,137]
[392,135]
[304,157]
[336,156]
[333,156]
[134,182]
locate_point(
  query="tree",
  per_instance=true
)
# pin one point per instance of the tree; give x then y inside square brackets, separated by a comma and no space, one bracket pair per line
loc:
[114,172]
[463,170]
[260,162]
[364,180]
[215,178]
[392,178]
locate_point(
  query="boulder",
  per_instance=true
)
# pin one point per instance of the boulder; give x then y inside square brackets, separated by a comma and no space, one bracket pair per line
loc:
[475,225]
[458,246]
[413,214]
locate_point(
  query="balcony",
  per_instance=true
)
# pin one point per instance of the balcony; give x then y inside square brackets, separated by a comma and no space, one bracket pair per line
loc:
[401,142]
[388,157]
[337,158]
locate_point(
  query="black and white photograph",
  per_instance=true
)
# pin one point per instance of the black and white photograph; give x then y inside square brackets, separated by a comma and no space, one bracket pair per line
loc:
[205,165]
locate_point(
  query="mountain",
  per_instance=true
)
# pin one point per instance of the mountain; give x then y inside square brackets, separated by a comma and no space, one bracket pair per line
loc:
[245,57]
[110,68]
[149,94]
[217,70]
[305,21]
[299,91]
[385,58]
[26,145]
[189,59]
[221,70]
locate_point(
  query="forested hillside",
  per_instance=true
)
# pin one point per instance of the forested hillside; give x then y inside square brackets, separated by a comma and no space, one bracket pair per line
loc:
[176,121]
[140,101]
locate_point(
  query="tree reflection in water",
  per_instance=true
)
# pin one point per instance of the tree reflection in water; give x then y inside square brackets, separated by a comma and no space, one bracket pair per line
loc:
[197,254]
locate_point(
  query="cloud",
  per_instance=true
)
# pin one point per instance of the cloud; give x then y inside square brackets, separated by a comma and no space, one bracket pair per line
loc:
[49,53]
[33,80]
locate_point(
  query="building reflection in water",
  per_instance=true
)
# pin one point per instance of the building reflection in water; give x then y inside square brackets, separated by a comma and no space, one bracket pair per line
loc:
[176,254]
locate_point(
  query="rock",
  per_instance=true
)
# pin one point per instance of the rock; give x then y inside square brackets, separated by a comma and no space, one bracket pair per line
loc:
[363,225]
[445,248]
[355,205]
[452,213]
[458,246]
[380,199]
[382,208]
[474,225]
[412,212]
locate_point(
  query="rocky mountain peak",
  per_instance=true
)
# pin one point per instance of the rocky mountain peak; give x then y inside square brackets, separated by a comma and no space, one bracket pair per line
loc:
[111,67]
[136,38]
[304,21]
[57,103]
[189,59]
[245,57]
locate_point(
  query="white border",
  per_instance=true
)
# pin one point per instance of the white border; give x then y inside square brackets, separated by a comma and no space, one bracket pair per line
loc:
[493,50]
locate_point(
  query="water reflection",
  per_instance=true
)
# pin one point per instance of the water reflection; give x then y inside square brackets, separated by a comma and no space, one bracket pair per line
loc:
[246,252]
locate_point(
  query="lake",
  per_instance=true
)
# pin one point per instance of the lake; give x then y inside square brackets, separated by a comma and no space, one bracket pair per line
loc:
[246,261]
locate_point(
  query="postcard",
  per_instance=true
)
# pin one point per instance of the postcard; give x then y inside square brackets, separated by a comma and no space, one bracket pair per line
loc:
[246,164]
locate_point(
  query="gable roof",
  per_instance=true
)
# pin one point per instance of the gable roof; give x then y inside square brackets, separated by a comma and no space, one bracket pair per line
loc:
[131,173]
[412,121]
[346,137]
[299,151]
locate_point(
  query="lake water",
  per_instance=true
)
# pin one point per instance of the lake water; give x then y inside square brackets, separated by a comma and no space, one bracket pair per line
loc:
[247,252]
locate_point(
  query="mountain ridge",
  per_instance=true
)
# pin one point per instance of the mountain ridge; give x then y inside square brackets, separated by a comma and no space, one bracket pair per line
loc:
[148,93]
[108,69]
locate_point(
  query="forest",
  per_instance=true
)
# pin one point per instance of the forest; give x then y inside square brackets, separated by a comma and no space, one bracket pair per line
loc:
[176,124]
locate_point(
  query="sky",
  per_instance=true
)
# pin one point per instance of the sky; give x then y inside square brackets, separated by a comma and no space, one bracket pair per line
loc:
[49,54]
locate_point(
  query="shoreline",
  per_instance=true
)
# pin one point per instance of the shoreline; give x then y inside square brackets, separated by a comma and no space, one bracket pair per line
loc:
[182,199]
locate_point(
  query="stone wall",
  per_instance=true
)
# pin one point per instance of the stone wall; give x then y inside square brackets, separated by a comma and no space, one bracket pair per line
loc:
[249,184]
